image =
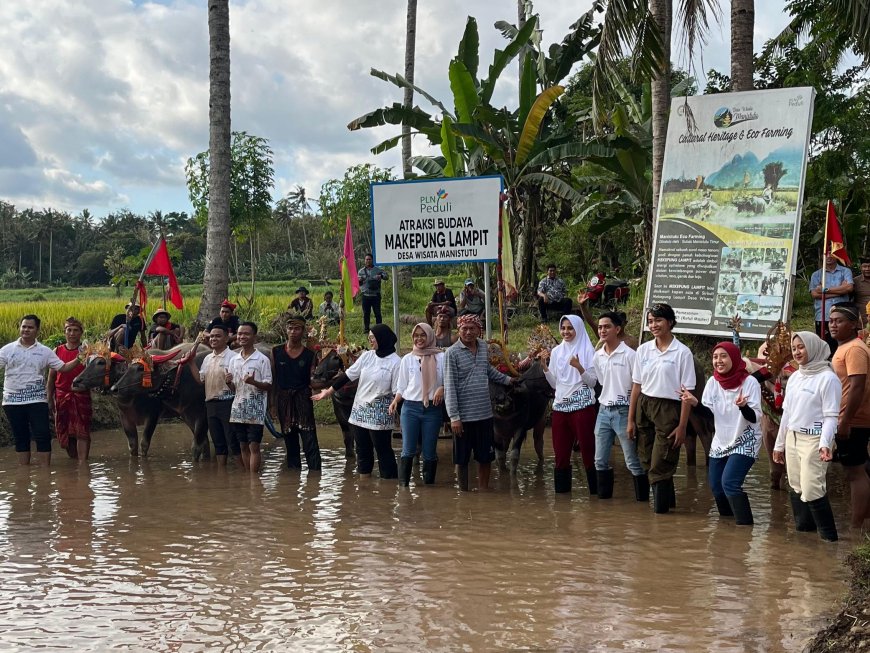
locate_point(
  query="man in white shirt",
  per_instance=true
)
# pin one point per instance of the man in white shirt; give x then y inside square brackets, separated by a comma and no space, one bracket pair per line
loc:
[250,377]
[25,400]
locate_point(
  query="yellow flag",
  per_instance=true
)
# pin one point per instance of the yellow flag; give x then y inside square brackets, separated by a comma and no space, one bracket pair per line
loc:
[346,288]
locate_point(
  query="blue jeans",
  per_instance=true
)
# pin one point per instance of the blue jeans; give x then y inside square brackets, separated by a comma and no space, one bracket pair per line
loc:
[611,424]
[418,420]
[726,474]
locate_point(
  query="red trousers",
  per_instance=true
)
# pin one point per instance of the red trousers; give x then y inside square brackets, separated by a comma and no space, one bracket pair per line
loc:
[569,428]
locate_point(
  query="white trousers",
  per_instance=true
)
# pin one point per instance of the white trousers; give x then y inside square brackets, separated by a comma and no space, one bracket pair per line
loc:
[806,472]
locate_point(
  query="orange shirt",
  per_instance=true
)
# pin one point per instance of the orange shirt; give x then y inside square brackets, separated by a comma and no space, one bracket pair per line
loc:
[851,359]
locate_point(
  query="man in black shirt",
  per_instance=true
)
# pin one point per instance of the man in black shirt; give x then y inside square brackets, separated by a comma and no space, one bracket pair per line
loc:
[125,327]
[229,320]
[442,297]
[292,364]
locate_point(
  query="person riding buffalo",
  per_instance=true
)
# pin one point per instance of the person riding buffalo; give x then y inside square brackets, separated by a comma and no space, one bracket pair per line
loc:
[292,364]
[163,333]
[125,327]
[229,319]
[302,304]
[442,297]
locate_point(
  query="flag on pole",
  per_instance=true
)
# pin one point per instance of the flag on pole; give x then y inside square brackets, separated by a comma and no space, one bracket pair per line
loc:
[506,252]
[834,244]
[347,267]
[158,264]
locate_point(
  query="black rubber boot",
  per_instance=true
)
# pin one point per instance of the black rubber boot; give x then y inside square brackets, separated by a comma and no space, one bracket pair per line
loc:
[641,488]
[429,469]
[661,498]
[462,477]
[291,442]
[605,484]
[672,493]
[562,480]
[406,466]
[741,509]
[803,518]
[311,449]
[824,518]
[723,505]
[592,480]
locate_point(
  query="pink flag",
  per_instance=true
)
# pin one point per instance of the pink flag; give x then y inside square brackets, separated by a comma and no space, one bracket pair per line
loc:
[351,261]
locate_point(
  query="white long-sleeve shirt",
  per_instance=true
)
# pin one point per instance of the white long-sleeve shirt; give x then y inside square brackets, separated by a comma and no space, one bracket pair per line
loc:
[811,407]
[734,434]
[410,384]
[615,374]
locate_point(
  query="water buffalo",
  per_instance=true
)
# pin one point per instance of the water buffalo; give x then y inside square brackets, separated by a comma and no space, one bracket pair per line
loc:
[749,204]
[330,366]
[102,370]
[156,374]
[517,409]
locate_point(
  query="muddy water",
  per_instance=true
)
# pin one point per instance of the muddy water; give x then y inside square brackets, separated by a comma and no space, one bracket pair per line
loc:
[171,555]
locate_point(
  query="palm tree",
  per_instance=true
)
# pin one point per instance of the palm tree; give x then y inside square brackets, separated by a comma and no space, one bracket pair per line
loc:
[742,29]
[216,274]
[408,101]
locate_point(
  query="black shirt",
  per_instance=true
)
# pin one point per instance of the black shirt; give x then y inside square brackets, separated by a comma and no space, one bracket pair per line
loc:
[232,324]
[292,373]
[446,296]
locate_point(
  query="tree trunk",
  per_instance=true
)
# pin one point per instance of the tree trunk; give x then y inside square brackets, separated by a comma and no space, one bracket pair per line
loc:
[215,284]
[661,104]
[526,214]
[50,252]
[40,261]
[408,102]
[742,29]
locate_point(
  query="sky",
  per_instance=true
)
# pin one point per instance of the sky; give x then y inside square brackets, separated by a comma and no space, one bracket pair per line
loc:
[103,101]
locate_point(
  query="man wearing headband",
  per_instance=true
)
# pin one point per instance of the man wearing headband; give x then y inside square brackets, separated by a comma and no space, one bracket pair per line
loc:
[467,373]
[839,282]
[851,363]
[71,409]
[228,319]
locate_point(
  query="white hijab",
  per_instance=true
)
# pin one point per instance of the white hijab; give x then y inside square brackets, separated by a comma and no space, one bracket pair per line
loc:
[580,346]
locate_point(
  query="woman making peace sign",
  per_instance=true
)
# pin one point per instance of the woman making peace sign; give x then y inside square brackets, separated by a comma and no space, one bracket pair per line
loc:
[734,398]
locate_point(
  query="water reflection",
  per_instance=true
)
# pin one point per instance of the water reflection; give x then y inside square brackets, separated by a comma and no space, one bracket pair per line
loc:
[168,554]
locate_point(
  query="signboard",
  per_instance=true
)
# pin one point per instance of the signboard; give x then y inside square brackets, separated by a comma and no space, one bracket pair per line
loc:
[729,209]
[436,221]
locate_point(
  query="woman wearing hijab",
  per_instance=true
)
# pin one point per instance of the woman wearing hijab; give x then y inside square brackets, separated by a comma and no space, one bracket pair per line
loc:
[806,433]
[734,398]
[377,371]
[664,367]
[421,391]
[571,373]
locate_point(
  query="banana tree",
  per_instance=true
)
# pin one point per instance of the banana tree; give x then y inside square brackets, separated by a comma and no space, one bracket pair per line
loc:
[530,146]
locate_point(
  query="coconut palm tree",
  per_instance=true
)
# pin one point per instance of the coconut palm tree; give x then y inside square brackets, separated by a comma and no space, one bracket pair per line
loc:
[742,30]
[408,102]
[216,274]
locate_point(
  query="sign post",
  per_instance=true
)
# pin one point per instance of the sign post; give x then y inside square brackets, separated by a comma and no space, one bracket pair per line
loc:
[729,209]
[425,222]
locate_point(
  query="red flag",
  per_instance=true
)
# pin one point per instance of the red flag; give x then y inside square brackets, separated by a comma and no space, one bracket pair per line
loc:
[834,244]
[347,253]
[160,266]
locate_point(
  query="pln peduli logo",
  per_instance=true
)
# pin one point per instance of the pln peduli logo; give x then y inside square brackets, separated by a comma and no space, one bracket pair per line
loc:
[436,203]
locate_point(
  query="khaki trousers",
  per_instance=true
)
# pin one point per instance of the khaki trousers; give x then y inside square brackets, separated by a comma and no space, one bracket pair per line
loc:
[806,472]
[655,420]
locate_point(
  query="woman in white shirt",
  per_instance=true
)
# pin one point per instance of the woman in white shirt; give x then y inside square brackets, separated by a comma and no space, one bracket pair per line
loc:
[734,398]
[664,367]
[806,433]
[614,361]
[571,372]
[371,422]
[420,391]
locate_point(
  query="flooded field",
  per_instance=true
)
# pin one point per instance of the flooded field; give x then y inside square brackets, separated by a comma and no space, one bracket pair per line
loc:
[164,554]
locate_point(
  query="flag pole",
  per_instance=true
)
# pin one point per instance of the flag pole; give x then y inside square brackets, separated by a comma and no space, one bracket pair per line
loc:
[342,266]
[825,247]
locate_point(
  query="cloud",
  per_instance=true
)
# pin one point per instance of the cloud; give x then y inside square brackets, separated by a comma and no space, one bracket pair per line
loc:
[104,100]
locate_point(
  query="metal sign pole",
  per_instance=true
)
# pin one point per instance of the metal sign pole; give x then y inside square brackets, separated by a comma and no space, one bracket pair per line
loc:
[486,296]
[395,279]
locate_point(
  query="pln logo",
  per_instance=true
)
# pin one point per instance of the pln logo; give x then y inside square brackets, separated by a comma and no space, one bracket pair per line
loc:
[436,203]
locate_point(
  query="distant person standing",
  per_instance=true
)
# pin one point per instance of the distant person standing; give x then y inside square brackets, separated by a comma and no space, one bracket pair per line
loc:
[250,377]
[25,398]
[861,292]
[552,295]
[370,278]
[71,409]
[839,282]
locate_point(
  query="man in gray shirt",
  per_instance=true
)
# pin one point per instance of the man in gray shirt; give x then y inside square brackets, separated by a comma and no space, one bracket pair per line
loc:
[370,278]
[467,373]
